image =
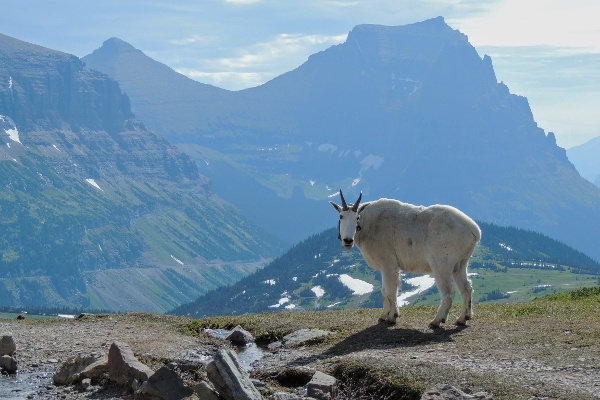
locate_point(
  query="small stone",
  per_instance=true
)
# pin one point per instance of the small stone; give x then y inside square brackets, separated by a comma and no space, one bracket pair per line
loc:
[240,337]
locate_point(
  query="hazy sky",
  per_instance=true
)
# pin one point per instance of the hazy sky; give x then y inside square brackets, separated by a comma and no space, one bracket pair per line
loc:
[546,50]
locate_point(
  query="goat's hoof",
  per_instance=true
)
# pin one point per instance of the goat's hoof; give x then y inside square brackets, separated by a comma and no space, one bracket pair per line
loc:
[434,325]
[460,322]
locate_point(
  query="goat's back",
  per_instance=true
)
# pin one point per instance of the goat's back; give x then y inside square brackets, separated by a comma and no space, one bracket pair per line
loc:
[412,235]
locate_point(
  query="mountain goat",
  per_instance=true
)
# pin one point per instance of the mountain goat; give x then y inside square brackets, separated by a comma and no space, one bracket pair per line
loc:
[394,236]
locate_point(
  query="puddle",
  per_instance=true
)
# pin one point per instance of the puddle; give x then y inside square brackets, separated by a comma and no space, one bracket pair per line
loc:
[23,385]
[246,354]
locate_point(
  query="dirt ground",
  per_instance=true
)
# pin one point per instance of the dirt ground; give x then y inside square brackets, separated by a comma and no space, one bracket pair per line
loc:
[530,361]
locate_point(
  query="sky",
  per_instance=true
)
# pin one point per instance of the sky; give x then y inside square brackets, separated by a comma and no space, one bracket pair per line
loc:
[545,50]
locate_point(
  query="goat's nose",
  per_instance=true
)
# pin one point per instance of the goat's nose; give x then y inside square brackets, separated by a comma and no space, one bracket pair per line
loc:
[348,240]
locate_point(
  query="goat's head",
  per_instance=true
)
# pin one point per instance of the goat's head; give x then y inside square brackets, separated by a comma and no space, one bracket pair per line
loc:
[348,224]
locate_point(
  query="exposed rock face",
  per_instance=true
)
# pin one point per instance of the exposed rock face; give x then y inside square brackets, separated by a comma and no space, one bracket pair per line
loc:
[45,89]
[87,187]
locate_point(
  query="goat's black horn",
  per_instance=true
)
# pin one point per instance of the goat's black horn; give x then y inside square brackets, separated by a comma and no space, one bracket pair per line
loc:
[344,205]
[355,206]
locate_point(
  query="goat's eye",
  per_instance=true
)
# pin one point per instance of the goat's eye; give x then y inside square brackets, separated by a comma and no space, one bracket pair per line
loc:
[341,217]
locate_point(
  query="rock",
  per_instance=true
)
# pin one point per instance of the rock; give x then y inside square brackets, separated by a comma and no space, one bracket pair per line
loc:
[288,396]
[322,386]
[304,336]
[7,345]
[123,367]
[86,383]
[8,364]
[295,376]
[71,370]
[229,377]
[240,337]
[164,384]
[444,391]
[96,369]
[20,317]
[205,391]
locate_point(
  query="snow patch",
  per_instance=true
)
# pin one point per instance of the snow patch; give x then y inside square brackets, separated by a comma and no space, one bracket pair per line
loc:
[506,247]
[318,291]
[358,287]
[177,259]
[270,282]
[421,282]
[334,304]
[13,133]
[93,183]
[281,302]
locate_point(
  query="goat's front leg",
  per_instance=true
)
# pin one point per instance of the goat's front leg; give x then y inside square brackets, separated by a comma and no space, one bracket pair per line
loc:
[390,279]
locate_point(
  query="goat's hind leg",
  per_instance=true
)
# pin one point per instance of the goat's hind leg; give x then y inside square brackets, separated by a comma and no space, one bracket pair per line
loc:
[466,292]
[443,280]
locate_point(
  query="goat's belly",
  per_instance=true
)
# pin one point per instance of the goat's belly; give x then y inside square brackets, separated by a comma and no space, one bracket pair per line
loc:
[416,268]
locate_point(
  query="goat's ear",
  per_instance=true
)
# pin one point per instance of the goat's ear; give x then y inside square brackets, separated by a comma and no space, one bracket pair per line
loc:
[338,208]
[362,207]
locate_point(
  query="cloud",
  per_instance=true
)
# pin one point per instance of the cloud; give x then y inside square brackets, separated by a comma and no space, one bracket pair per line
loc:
[260,62]
[193,39]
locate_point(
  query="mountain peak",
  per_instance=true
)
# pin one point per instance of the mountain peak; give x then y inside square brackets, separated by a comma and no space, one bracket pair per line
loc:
[114,46]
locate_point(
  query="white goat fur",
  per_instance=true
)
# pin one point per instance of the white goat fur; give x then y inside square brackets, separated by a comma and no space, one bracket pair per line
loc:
[394,236]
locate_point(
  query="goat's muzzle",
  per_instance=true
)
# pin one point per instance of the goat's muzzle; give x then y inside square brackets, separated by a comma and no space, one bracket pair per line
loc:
[347,243]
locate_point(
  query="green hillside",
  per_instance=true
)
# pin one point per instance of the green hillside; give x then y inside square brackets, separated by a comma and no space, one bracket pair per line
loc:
[509,265]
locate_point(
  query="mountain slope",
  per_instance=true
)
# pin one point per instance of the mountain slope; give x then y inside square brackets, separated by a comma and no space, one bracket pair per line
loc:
[409,112]
[510,264]
[87,188]
[586,160]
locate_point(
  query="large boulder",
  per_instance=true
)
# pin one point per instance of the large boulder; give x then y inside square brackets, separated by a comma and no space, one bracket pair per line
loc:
[123,367]
[230,378]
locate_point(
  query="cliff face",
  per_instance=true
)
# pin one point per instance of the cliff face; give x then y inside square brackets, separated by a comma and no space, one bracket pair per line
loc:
[45,89]
[86,187]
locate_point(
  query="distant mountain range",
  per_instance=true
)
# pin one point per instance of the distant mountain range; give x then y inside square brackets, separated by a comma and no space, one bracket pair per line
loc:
[586,158]
[97,210]
[408,112]
[509,265]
